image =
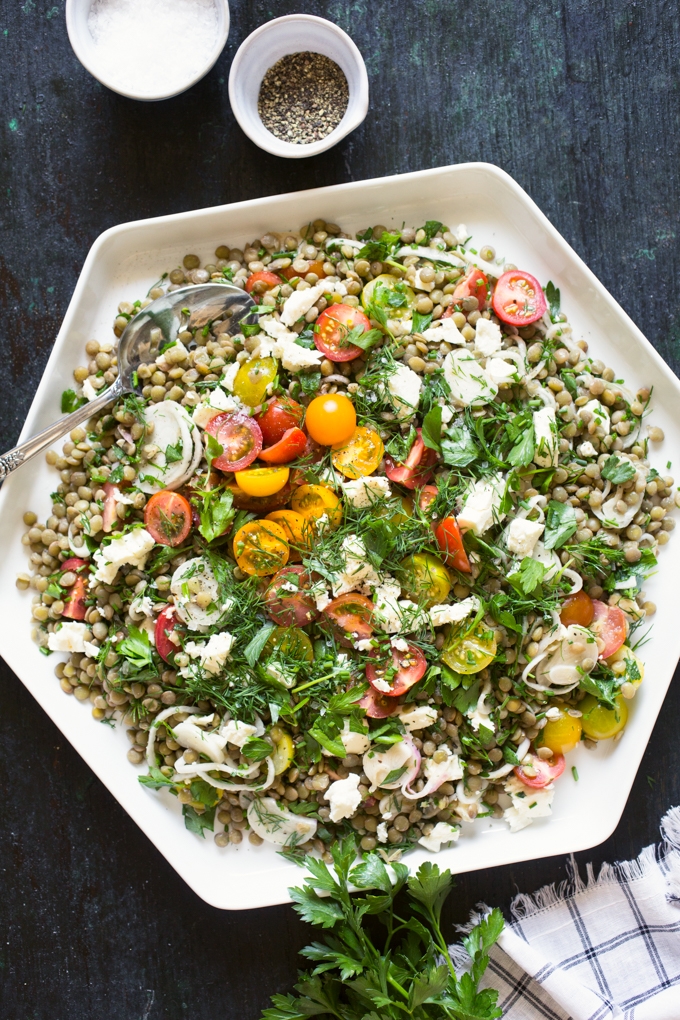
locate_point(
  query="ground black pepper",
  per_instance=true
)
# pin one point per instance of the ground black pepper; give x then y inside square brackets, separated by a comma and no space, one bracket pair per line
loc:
[303,97]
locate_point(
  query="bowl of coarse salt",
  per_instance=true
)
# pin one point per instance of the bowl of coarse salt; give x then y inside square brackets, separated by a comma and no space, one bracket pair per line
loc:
[147,49]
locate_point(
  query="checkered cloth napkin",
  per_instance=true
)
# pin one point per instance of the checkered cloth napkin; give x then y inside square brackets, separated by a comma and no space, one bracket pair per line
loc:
[603,949]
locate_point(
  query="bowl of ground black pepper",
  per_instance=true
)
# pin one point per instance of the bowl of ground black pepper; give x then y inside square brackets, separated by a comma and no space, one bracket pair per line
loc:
[298,85]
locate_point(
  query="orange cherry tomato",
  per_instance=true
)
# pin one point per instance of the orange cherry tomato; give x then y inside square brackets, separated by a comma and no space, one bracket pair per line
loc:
[332,328]
[260,548]
[350,617]
[315,501]
[579,609]
[313,267]
[473,284]
[331,419]
[290,446]
[74,603]
[450,541]
[298,529]
[260,505]
[609,624]
[260,282]
[262,481]
[518,298]
[167,518]
[360,455]
[280,415]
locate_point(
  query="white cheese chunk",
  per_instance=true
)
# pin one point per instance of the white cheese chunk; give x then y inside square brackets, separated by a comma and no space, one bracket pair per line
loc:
[488,337]
[89,392]
[91,650]
[132,548]
[448,771]
[299,303]
[599,414]
[441,615]
[229,373]
[527,803]
[444,331]
[293,357]
[501,372]
[523,535]
[481,508]
[237,733]
[215,653]
[363,492]
[420,284]
[344,797]
[419,718]
[357,571]
[274,328]
[69,638]
[381,832]
[442,833]
[404,388]
[353,742]
[545,433]
[468,381]
[586,449]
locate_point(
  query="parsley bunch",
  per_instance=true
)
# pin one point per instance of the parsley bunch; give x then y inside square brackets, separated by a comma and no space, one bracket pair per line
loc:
[407,971]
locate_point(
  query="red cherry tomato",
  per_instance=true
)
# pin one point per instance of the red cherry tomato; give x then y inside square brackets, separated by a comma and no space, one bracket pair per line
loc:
[518,298]
[240,438]
[377,706]
[292,445]
[416,469]
[290,608]
[260,282]
[280,415]
[427,496]
[473,284]
[401,672]
[165,624]
[579,609]
[332,327]
[260,505]
[168,517]
[546,771]
[609,624]
[350,617]
[74,603]
[450,541]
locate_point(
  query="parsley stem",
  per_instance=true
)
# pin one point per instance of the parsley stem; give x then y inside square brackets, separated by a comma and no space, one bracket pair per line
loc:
[395,984]
[299,706]
[312,683]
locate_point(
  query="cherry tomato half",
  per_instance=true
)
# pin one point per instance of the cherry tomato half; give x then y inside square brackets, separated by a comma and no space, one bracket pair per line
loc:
[290,643]
[450,541]
[165,624]
[403,671]
[390,294]
[262,481]
[261,505]
[332,328]
[469,652]
[315,501]
[290,446]
[416,469]
[280,415]
[546,770]
[262,281]
[562,734]
[518,298]
[260,548]
[74,603]
[331,418]
[240,438]
[426,497]
[253,379]
[376,705]
[350,617]
[609,623]
[473,284]
[578,609]
[315,267]
[424,579]
[360,455]
[600,722]
[299,531]
[291,608]
[167,518]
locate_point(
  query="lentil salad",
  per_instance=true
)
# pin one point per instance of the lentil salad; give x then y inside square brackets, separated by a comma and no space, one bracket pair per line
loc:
[422,595]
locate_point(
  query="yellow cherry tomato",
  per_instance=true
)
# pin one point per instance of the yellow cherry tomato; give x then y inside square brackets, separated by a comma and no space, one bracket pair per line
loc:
[424,579]
[253,380]
[260,548]
[298,531]
[397,517]
[561,734]
[283,754]
[289,643]
[627,664]
[313,501]
[600,723]
[390,294]
[264,481]
[331,419]
[469,651]
[360,455]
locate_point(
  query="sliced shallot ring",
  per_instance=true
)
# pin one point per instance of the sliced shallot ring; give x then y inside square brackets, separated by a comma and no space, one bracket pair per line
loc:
[165,714]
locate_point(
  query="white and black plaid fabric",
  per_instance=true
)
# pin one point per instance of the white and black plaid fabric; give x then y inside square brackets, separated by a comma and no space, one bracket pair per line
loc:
[603,949]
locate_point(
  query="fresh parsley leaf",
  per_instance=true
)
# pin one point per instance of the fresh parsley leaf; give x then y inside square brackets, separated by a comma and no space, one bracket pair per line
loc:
[257,749]
[213,449]
[430,228]
[249,329]
[363,338]
[523,451]
[617,470]
[155,780]
[560,524]
[174,453]
[254,649]
[329,742]
[378,251]
[432,428]
[70,402]
[605,689]
[198,823]
[345,701]
[116,473]
[216,512]
[509,754]
[552,295]
[392,776]
[529,575]
[421,321]
[136,648]
[458,448]
[309,382]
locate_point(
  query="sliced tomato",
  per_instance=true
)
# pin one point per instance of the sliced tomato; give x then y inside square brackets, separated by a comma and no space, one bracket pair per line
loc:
[474,284]
[109,515]
[416,469]
[350,617]
[280,415]
[261,505]
[377,706]
[291,608]
[74,603]
[291,445]
[518,298]
[168,517]
[450,541]
[240,438]
[578,609]
[546,770]
[265,279]
[427,496]
[609,624]
[313,267]
[332,328]
[165,624]
[403,671]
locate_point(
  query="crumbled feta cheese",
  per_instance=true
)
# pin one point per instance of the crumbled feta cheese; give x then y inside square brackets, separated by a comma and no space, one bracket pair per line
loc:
[545,433]
[386,597]
[70,637]
[481,507]
[442,833]
[354,743]
[293,357]
[364,645]
[501,372]
[461,233]
[89,392]
[378,765]
[586,449]
[215,653]
[468,381]
[527,803]
[441,615]
[132,548]
[299,303]
[447,415]
[399,644]
[216,403]
[367,491]
[381,832]
[444,330]
[599,414]
[344,797]
[419,718]
[141,605]
[357,571]
[404,388]
[229,373]
[488,338]
[420,284]
[237,733]
[274,328]
[382,685]
[448,771]
[523,536]
[91,650]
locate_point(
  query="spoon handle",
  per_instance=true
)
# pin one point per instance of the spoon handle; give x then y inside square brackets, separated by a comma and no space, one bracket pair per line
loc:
[24,451]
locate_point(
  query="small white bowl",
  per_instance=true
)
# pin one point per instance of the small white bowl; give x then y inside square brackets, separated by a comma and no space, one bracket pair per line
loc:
[84,47]
[295,33]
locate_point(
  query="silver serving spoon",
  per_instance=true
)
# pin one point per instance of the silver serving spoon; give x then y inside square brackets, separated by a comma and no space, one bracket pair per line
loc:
[151,330]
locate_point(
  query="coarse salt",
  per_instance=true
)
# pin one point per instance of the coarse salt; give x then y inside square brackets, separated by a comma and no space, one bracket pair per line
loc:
[152,46]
